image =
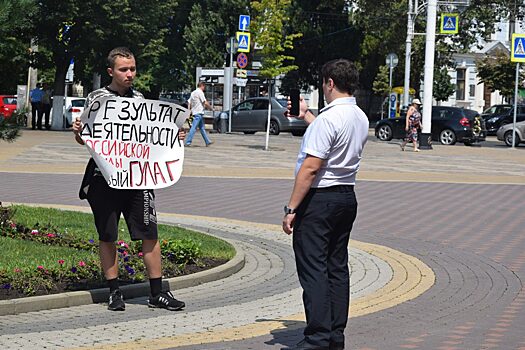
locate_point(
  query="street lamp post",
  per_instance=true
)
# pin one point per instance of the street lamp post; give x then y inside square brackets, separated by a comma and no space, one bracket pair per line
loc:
[430,45]
[412,8]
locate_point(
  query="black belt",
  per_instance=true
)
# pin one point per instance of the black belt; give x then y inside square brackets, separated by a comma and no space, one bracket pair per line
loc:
[337,188]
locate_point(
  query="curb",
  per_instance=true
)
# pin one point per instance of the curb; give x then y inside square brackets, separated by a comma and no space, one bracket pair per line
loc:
[68,299]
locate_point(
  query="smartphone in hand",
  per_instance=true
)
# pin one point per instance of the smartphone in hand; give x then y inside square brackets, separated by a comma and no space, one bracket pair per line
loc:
[294,99]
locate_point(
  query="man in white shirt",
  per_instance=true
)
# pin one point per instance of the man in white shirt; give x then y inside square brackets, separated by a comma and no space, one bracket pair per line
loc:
[323,206]
[197,103]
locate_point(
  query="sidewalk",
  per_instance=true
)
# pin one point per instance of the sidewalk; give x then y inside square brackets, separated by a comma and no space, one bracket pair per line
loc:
[441,269]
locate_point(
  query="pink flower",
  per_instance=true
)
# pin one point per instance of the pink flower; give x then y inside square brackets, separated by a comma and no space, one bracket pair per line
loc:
[34,232]
[61,262]
[141,254]
[124,253]
[50,235]
[40,267]
[17,269]
[81,263]
[13,225]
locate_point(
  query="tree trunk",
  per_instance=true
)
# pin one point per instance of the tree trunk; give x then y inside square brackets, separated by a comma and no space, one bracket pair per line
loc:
[57,118]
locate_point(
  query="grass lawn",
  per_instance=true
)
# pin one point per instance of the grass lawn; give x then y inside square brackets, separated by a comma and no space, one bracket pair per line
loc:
[19,253]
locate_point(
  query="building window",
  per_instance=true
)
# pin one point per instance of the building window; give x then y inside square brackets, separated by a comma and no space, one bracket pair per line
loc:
[460,84]
[472,90]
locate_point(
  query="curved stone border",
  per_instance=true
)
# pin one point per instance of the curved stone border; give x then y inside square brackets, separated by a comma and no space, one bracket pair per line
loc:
[55,301]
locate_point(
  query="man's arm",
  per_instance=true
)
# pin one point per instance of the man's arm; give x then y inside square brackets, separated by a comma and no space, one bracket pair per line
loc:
[303,182]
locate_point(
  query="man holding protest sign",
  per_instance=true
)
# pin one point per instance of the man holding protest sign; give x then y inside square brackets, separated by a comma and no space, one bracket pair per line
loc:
[197,103]
[133,199]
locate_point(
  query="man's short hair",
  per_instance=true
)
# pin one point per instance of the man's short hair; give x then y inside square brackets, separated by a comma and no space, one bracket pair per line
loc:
[343,73]
[118,52]
[201,83]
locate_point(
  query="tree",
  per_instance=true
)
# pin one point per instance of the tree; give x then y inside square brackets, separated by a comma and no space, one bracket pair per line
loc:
[15,31]
[381,85]
[86,31]
[205,36]
[443,88]
[327,34]
[497,73]
[269,34]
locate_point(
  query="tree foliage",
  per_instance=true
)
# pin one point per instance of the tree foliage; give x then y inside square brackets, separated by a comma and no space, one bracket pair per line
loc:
[15,31]
[327,34]
[498,73]
[443,88]
[381,84]
[205,38]
[86,30]
[269,33]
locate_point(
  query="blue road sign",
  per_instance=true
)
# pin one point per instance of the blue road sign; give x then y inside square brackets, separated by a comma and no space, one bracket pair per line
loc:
[243,40]
[244,23]
[518,48]
[449,23]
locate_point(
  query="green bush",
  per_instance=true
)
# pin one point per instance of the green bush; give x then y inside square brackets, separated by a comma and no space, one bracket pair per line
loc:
[81,264]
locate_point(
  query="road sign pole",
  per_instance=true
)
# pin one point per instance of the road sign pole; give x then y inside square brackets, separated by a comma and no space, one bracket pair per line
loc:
[515,105]
[390,78]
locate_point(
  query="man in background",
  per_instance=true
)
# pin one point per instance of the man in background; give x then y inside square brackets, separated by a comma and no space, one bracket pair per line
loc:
[35,96]
[197,104]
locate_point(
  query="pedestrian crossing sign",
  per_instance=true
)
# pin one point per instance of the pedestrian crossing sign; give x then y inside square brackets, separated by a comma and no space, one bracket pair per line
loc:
[518,48]
[243,39]
[449,23]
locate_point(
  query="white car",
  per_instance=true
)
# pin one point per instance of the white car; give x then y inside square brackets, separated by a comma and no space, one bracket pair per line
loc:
[73,108]
[505,133]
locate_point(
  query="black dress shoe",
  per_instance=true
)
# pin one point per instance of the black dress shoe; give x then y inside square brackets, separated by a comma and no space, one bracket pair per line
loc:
[304,345]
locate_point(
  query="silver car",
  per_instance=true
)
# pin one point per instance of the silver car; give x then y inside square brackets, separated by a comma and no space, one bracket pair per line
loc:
[505,133]
[251,116]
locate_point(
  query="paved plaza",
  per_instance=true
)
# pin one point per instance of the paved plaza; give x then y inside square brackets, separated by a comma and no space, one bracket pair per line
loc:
[437,251]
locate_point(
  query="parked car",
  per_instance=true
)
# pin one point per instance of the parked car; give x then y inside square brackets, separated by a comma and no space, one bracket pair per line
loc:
[73,108]
[503,114]
[505,133]
[251,116]
[175,97]
[7,105]
[449,125]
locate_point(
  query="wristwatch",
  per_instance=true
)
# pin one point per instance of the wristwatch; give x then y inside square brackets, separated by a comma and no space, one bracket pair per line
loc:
[288,210]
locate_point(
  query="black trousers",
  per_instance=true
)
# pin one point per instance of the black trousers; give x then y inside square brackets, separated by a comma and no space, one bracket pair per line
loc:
[36,112]
[46,109]
[320,242]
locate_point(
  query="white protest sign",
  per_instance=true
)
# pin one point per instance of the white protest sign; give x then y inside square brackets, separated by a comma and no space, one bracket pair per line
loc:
[135,142]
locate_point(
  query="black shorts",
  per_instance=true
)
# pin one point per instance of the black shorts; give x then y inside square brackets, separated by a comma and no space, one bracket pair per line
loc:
[137,206]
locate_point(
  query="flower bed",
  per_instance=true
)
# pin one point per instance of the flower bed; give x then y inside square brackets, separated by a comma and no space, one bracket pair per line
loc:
[80,269]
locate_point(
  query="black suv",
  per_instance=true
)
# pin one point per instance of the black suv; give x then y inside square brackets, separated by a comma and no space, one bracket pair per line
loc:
[449,125]
[498,115]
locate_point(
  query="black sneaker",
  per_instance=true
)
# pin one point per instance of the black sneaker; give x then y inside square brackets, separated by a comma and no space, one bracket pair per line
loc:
[116,303]
[166,301]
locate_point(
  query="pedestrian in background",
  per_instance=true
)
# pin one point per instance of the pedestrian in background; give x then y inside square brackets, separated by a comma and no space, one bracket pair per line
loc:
[46,104]
[35,96]
[197,104]
[137,206]
[323,206]
[412,125]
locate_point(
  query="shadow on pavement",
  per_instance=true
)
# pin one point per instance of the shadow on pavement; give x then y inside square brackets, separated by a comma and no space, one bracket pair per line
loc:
[291,334]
